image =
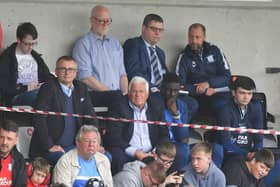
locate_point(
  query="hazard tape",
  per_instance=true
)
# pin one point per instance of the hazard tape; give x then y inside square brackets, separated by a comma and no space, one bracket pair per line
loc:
[169,124]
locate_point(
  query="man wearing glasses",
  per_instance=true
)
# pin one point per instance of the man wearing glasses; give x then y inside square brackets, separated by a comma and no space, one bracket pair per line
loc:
[100,60]
[22,70]
[54,135]
[142,56]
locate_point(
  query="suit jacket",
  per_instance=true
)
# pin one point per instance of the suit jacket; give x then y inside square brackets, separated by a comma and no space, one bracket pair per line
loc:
[119,133]
[137,61]
[49,128]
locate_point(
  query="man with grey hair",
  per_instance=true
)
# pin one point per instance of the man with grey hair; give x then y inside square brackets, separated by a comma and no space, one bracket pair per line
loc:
[84,164]
[100,60]
[134,140]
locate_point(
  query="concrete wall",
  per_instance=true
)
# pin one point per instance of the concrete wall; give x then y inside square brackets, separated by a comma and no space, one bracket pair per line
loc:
[247,32]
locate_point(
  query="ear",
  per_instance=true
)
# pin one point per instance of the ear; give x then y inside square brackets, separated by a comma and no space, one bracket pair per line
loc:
[29,170]
[47,179]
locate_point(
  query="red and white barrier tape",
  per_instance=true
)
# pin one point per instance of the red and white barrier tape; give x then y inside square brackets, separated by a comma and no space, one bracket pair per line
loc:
[194,126]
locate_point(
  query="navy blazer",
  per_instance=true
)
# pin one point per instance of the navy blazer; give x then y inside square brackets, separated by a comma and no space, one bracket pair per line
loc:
[119,134]
[137,60]
[49,128]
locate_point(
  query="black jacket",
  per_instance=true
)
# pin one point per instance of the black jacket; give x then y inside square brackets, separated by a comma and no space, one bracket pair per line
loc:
[9,73]
[49,128]
[19,177]
[119,133]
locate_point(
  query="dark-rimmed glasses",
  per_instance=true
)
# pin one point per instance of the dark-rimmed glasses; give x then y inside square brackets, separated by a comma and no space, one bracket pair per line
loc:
[155,29]
[29,44]
[103,21]
[63,70]
[164,161]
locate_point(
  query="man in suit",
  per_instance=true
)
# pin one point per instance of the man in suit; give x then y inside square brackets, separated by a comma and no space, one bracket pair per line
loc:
[134,141]
[142,57]
[139,50]
[54,135]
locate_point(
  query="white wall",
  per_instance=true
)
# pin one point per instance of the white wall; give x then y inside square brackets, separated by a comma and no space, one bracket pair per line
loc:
[247,32]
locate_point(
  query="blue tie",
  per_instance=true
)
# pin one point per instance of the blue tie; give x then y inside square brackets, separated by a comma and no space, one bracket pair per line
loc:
[154,64]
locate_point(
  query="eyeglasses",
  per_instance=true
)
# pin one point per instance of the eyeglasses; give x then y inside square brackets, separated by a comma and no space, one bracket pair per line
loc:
[169,162]
[155,29]
[64,70]
[103,21]
[29,44]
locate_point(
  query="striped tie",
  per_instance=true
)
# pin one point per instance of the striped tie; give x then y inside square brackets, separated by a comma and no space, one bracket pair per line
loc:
[154,63]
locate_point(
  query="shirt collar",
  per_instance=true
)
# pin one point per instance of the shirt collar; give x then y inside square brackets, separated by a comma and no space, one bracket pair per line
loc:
[105,37]
[148,45]
[137,109]
[67,90]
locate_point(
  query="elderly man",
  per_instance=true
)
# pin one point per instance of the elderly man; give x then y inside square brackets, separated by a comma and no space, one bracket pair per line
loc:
[84,164]
[22,69]
[12,172]
[204,71]
[134,141]
[54,135]
[100,60]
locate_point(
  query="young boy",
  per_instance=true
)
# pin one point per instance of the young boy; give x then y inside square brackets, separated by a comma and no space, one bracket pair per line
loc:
[38,173]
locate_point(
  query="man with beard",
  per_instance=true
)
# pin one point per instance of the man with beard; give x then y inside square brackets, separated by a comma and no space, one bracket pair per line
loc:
[12,169]
[204,71]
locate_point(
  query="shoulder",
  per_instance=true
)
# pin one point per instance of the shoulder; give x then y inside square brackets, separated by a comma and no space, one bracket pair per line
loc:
[216,172]
[79,85]
[101,158]
[17,156]
[134,41]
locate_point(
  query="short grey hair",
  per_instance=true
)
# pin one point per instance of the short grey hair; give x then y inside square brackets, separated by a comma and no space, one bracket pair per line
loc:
[138,79]
[86,129]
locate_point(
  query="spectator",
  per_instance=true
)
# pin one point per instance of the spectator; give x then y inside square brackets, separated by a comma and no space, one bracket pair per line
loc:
[100,60]
[202,171]
[12,171]
[134,141]
[22,70]
[204,71]
[38,173]
[137,174]
[67,95]
[243,173]
[84,163]
[241,112]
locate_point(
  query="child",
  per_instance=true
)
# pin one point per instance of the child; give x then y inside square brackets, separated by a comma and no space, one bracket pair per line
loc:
[38,173]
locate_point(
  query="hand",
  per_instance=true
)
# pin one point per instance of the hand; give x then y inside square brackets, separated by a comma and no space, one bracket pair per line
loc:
[201,87]
[250,155]
[33,86]
[154,89]
[210,92]
[141,155]
[173,178]
[56,148]
[171,105]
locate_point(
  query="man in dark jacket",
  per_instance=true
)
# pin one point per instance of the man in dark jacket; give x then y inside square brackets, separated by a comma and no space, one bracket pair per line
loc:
[12,170]
[204,70]
[22,70]
[134,141]
[54,135]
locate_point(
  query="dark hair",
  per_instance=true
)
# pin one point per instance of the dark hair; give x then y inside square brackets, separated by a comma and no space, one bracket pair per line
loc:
[64,58]
[197,25]
[171,78]
[9,125]
[26,28]
[152,17]
[243,82]
[265,156]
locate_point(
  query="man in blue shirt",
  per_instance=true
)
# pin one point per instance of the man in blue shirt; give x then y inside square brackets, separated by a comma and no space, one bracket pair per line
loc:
[204,71]
[100,60]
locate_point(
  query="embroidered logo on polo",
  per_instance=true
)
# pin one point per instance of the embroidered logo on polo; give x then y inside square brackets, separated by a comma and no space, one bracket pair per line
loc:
[193,64]
[210,59]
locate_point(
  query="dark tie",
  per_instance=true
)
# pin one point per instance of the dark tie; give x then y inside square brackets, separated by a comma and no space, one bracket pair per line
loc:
[154,64]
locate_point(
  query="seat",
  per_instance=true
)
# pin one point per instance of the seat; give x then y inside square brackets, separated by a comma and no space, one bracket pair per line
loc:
[24,138]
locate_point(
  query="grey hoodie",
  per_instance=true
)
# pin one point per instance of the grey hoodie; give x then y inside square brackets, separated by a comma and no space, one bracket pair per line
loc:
[130,176]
